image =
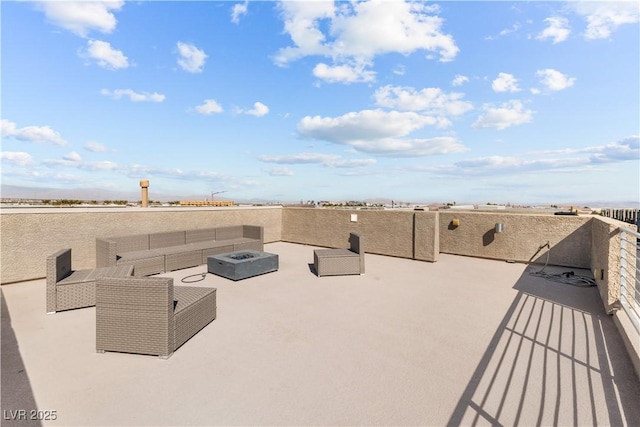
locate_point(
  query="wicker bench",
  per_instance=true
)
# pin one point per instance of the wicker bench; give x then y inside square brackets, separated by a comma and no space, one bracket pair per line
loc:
[174,250]
[338,262]
[148,315]
[68,288]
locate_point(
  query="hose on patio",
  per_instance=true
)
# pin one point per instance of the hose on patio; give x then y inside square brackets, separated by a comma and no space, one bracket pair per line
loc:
[188,279]
[567,278]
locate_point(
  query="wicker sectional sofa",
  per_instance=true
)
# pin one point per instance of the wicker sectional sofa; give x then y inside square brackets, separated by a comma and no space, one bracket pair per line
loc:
[173,250]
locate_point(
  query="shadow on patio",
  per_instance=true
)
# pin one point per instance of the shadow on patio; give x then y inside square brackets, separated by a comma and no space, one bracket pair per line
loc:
[17,396]
[555,359]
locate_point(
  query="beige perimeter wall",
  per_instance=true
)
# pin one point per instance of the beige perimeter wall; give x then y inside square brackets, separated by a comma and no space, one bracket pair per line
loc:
[406,234]
[28,236]
[569,237]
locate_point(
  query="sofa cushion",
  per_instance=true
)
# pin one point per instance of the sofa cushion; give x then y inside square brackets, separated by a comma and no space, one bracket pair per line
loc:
[200,235]
[136,242]
[166,239]
[136,255]
[226,233]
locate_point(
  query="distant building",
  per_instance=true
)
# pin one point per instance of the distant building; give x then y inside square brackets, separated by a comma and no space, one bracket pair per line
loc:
[216,203]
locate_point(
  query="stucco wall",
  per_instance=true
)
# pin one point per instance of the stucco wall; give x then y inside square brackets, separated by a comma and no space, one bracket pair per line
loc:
[605,256]
[568,236]
[406,234]
[28,236]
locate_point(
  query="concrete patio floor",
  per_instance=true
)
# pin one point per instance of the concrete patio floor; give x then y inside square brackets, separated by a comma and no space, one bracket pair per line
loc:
[463,341]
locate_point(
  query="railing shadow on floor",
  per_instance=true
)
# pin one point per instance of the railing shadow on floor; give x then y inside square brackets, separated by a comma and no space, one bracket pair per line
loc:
[555,359]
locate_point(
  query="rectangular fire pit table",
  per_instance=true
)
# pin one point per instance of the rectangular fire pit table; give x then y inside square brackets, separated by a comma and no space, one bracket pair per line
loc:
[242,264]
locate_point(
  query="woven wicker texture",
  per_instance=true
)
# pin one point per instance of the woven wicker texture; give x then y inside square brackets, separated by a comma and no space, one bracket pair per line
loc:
[148,315]
[68,289]
[136,242]
[146,266]
[253,232]
[337,262]
[170,238]
[161,252]
[200,235]
[181,260]
[226,233]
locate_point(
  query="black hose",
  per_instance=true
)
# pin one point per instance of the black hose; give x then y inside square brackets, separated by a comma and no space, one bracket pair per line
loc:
[201,275]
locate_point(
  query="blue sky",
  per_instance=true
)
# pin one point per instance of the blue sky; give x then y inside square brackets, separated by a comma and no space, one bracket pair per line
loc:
[520,102]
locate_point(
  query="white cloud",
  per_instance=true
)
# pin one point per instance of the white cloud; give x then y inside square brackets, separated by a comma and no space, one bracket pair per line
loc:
[362,125]
[258,110]
[302,23]
[105,55]
[283,171]
[133,95]
[343,73]
[623,150]
[402,27]
[430,100]
[31,133]
[409,147]
[505,83]
[343,32]
[557,30]
[459,80]
[379,132]
[554,80]
[72,156]
[564,160]
[514,28]
[191,58]
[327,160]
[18,158]
[79,164]
[210,106]
[95,147]
[299,158]
[238,10]
[352,163]
[399,70]
[81,17]
[604,18]
[511,113]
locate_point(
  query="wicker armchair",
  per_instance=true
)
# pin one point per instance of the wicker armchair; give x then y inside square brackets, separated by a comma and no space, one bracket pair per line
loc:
[148,315]
[68,288]
[338,262]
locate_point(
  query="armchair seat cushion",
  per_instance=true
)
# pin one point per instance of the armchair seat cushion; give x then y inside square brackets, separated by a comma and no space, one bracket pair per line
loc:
[336,253]
[91,275]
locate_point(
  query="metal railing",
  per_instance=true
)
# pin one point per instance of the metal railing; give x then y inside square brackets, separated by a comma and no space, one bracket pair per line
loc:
[629,275]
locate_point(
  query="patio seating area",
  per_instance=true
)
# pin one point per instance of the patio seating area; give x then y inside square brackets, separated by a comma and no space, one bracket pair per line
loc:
[463,341]
[337,262]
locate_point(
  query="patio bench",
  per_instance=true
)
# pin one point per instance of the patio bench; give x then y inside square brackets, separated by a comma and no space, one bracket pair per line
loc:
[337,262]
[68,288]
[148,315]
[174,250]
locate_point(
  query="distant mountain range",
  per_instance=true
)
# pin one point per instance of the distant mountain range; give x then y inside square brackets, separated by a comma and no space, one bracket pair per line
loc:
[21,192]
